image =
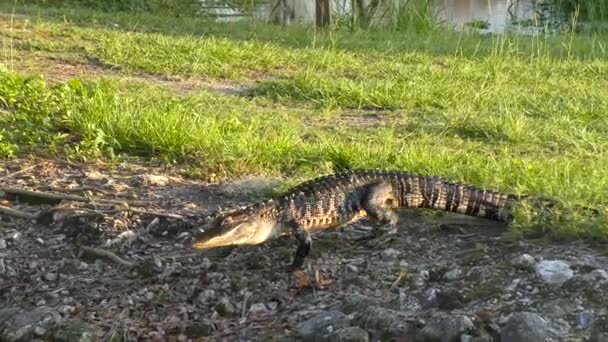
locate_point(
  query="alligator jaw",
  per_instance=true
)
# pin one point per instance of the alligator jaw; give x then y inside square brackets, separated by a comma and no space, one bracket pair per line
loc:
[249,232]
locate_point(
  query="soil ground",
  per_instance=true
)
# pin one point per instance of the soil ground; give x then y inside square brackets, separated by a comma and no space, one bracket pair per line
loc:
[166,291]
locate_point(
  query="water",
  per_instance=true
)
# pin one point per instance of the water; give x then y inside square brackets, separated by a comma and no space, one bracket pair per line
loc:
[486,16]
[494,16]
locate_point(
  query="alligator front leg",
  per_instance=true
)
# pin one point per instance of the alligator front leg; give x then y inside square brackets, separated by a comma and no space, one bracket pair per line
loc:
[304,245]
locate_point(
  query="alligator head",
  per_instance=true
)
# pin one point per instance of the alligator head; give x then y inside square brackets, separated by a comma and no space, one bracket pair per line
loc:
[243,226]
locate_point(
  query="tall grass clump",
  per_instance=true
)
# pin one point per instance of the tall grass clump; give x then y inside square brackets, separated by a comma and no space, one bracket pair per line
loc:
[402,15]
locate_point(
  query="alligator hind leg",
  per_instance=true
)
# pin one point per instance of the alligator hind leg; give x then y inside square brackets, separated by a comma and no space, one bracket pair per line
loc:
[304,245]
[379,203]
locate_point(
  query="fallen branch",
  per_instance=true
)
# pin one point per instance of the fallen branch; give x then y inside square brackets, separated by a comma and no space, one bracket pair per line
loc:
[60,197]
[154,213]
[16,213]
[120,210]
[107,254]
[18,172]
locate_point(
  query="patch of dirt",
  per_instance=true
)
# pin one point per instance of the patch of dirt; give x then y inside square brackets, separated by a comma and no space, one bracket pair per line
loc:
[57,70]
[390,288]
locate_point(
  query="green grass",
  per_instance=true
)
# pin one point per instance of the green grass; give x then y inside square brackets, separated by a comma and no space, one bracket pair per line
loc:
[518,114]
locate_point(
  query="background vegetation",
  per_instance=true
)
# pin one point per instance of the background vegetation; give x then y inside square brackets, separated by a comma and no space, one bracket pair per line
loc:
[516,113]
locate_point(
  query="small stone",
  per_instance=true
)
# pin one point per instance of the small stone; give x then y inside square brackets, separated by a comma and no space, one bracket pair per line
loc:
[390,253]
[599,276]
[67,309]
[454,274]
[94,175]
[524,327]
[583,319]
[155,180]
[514,284]
[445,328]
[73,330]
[320,326]
[206,296]
[450,299]
[205,264]
[349,334]
[358,262]
[224,307]
[50,276]
[2,267]
[599,330]
[352,268]
[21,325]
[386,324]
[257,308]
[39,331]
[2,244]
[524,261]
[466,338]
[554,272]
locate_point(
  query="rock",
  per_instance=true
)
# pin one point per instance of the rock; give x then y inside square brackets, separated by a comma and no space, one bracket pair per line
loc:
[73,330]
[206,296]
[452,275]
[383,324]
[21,325]
[154,180]
[3,244]
[200,329]
[599,330]
[449,299]
[257,308]
[39,331]
[596,276]
[7,313]
[554,272]
[224,307]
[524,261]
[321,326]
[356,303]
[514,284]
[358,262]
[352,268]
[445,329]
[349,334]
[94,175]
[524,327]
[390,253]
[50,276]
[419,279]
[2,267]
[583,319]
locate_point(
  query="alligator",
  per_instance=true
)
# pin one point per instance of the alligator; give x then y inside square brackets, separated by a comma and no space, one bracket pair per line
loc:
[336,200]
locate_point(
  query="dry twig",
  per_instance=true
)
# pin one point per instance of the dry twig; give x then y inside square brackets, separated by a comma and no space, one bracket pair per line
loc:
[107,254]
[18,172]
[16,213]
